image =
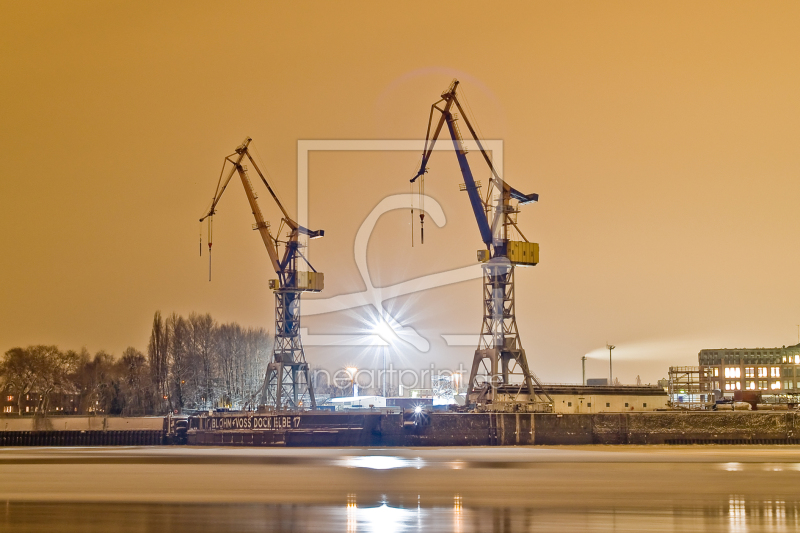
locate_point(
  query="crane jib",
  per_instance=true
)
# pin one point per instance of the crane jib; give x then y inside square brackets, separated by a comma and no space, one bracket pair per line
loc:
[471,188]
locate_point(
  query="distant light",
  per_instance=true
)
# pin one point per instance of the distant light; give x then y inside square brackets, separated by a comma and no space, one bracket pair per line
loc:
[418,409]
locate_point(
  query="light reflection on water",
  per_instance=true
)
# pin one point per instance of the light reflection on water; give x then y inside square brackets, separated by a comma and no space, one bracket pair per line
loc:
[380,462]
[736,514]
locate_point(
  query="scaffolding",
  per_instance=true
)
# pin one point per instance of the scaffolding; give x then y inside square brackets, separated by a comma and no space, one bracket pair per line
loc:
[685,389]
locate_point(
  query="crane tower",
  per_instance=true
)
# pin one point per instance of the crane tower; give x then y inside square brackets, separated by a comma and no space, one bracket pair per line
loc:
[287,384]
[500,377]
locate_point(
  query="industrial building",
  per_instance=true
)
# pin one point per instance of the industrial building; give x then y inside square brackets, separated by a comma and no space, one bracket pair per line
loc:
[606,399]
[772,371]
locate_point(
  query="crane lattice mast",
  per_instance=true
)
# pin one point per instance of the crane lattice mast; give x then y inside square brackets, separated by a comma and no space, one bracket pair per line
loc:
[500,376]
[287,383]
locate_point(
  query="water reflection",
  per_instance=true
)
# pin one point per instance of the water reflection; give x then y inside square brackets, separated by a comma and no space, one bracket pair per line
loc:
[735,514]
[380,462]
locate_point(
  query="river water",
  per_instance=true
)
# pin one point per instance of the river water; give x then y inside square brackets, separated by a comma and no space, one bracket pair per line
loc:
[514,489]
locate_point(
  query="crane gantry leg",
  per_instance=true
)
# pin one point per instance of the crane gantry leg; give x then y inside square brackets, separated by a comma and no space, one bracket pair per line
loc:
[287,384]
[500,374]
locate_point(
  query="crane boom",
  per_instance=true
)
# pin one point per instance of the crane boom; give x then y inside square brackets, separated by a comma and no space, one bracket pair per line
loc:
[499,358]
[279,264]
[480,207]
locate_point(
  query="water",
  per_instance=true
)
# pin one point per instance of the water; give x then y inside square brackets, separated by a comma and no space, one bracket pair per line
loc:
[526,489]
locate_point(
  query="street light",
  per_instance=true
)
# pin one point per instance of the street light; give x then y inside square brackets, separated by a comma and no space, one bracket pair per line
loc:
[384,349]
[352,371]
[610,373]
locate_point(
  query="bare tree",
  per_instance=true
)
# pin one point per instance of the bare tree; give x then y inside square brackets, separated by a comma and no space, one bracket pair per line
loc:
[135,382]
[97,379]
[159,364]
[181,361]
[258,346]
[40,369]
[203,347]
[231,346]
[56,369]
[18,374]
[190,363]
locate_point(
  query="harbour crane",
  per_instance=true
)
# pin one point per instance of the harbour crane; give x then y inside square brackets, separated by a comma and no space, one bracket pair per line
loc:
[500,377]
[287,383]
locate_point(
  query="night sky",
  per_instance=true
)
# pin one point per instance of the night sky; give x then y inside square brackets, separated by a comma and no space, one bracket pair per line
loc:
[662,138]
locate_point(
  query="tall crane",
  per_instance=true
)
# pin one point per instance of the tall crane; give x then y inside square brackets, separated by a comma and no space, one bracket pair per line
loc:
[287,384]
[500,377]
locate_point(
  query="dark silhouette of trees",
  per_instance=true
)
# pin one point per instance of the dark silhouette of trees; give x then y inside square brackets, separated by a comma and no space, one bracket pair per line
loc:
[159,363]
[19,374]
[41,370]
[191,363]
[135,383]
[203,333]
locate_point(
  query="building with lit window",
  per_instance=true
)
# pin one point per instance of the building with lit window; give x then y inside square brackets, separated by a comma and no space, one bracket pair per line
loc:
[773,371]
[58,403]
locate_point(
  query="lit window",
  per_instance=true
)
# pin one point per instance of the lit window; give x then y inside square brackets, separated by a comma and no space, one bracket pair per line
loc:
[797,359]
[751,385]
[716,372]
[7,409]
[762,371]
[787,384]
[775,385]
[775,372]
[784,358]
[738,385]
[9,398]
[762,385]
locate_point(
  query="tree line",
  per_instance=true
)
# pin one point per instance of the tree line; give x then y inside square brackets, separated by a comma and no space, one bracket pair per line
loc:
[190,363]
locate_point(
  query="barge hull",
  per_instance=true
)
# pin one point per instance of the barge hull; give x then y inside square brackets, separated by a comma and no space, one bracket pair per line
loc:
[494,429]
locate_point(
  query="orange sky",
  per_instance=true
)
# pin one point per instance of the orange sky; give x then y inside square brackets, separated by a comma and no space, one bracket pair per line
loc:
[662,138]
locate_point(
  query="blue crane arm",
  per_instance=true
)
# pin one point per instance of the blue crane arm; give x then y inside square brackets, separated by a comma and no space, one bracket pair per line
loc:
[469,180]
[471,187]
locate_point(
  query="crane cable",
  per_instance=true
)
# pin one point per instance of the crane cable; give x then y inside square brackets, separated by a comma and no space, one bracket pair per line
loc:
[265,170]
[422,209]
[411,196]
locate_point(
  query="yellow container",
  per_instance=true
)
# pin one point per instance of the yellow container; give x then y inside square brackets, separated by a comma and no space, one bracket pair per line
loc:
[483,256]
[523,253]
[310,281]
[274,284]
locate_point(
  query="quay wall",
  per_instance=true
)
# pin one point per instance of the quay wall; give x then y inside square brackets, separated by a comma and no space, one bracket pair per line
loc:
[85,431]
[372,428]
